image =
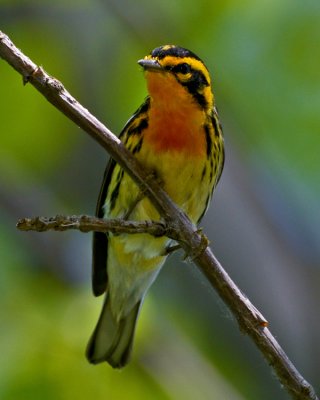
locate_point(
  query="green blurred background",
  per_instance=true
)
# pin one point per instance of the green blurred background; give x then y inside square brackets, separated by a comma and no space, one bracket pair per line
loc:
[264,223]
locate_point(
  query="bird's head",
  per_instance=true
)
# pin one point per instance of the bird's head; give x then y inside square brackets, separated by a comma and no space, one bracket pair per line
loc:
[174,73]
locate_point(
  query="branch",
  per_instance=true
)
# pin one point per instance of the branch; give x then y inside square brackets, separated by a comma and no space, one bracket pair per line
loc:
[249,318]
[85,223]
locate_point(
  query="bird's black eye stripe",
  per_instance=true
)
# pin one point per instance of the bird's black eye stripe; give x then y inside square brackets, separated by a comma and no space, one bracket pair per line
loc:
[197,77]
[182,68]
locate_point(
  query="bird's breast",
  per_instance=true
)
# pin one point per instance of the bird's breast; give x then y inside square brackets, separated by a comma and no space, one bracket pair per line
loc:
[175,120]
[177,130]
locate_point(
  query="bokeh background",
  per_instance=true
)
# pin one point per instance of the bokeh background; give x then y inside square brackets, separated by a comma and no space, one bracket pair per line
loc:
[264,223]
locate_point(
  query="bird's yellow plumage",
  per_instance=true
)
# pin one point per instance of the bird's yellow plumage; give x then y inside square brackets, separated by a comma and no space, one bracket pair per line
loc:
[176,135]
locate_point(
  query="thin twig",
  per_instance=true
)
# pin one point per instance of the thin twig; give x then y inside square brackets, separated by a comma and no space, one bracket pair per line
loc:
[249,318]
[86,223]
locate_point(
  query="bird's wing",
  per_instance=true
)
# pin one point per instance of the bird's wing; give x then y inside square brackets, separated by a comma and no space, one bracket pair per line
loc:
[100,240]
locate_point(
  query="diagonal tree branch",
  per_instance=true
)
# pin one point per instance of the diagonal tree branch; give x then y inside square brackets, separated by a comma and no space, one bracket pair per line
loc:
[192,241]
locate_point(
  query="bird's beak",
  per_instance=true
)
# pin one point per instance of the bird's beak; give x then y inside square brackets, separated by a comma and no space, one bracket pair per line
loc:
[150,64]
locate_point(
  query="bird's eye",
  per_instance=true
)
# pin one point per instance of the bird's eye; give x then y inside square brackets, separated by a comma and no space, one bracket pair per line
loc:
[183,68]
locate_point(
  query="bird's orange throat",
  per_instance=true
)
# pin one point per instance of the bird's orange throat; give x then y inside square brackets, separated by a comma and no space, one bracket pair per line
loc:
[175,120]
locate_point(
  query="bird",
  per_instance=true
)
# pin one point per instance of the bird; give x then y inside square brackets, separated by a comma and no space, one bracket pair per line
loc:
[176,135]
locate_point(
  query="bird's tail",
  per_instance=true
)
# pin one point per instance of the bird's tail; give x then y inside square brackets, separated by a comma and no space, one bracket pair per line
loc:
[111,340]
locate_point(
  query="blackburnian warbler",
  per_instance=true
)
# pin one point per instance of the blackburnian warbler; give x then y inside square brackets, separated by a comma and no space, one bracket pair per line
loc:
[177,135]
